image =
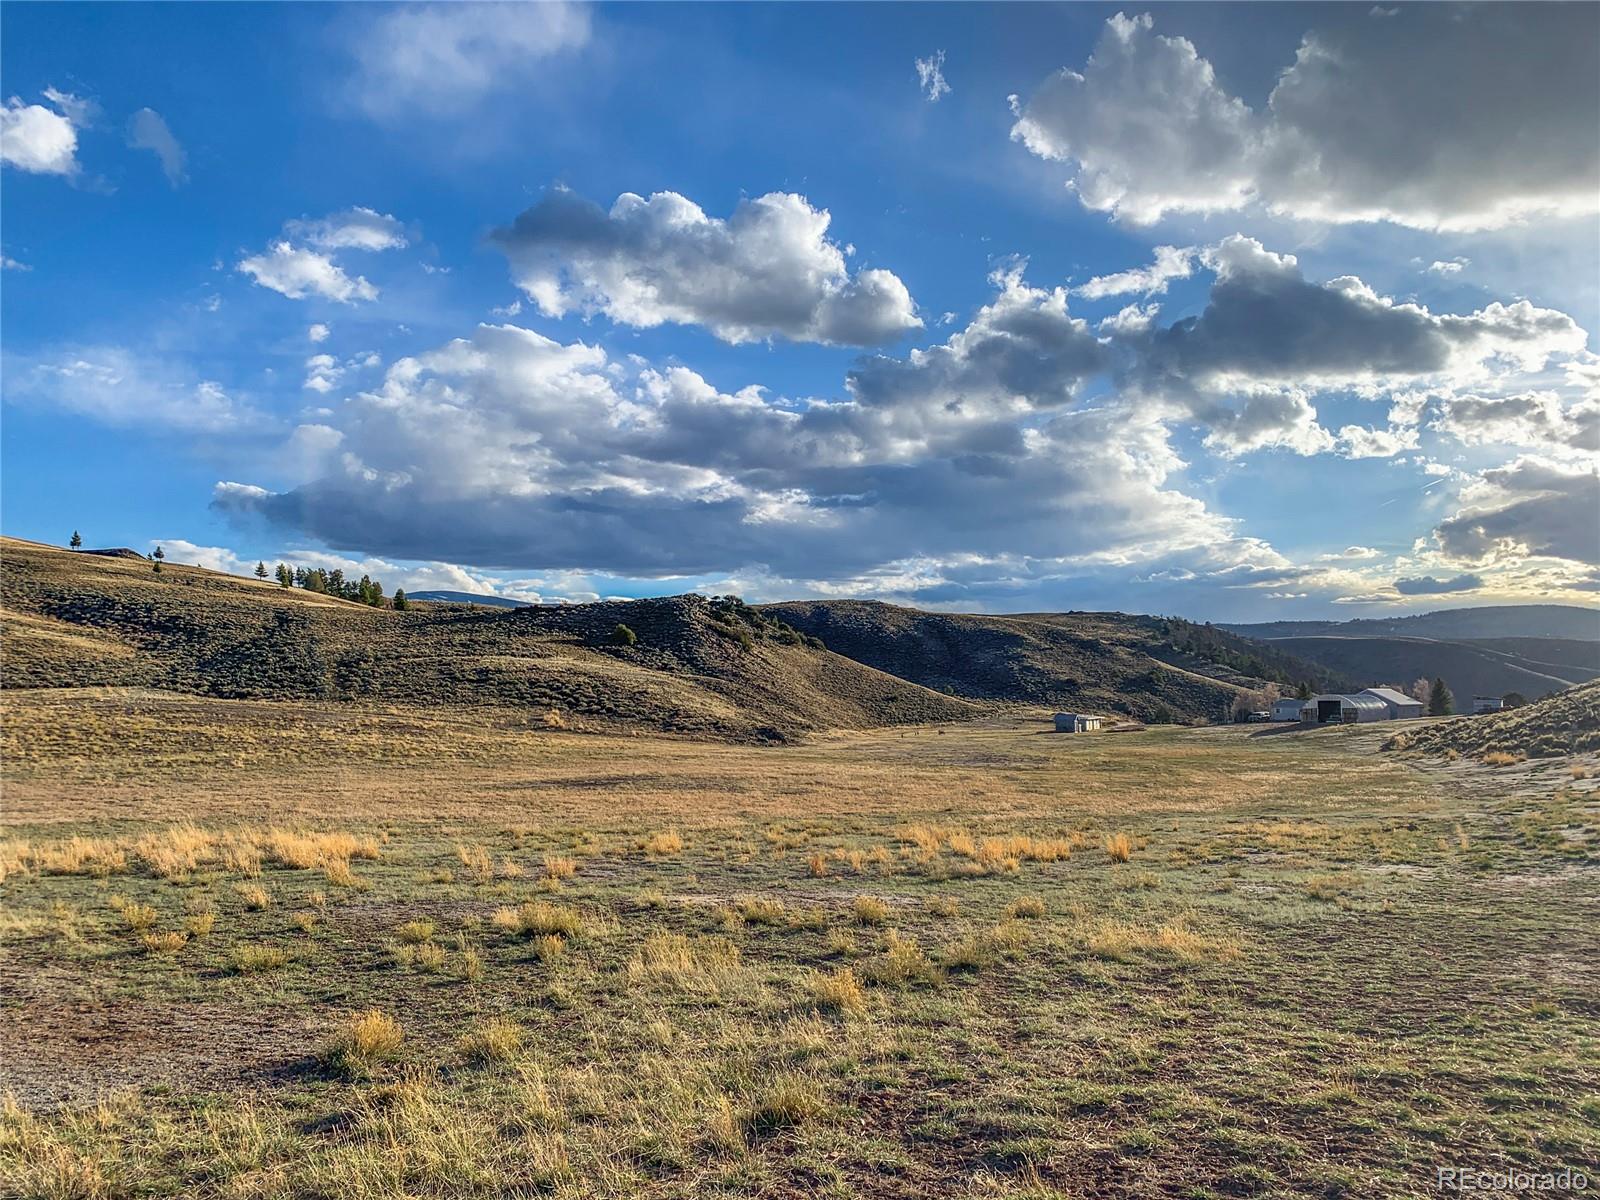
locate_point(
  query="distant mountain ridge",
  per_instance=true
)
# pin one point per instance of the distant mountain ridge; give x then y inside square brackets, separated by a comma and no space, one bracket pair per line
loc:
[1493,621]
[441,596]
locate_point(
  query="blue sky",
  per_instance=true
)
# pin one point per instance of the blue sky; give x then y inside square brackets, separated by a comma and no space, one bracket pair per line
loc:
[1238,312]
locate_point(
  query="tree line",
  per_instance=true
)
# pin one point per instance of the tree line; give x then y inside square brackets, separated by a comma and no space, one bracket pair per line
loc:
[365,590]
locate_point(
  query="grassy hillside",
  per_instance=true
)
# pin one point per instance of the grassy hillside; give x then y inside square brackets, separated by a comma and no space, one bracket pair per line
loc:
[1145,667]
[1489,668]
[1568,723]
[79,620]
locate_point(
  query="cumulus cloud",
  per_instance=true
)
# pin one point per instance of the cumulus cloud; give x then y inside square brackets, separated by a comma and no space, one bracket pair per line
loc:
[1450,266]
[441,59]
[7,263]
[930,77]
[1172,262]
[148,131]
[296,272]
[1428,585]
[121,387]
[1531,506]
[40,140]
[514,450]
[769,270]
[1357,441]
[354,229]
[1445,117]
[301,264]
[1534,418]
[317,332]
[322,373]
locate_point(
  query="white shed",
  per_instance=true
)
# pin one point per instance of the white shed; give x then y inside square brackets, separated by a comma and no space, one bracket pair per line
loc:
[1078,723]
[1401,706]
[1487,704]
[1334,709]
[1287,708]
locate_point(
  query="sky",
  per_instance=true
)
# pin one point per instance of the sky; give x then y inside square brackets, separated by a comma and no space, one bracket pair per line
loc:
[1237,312]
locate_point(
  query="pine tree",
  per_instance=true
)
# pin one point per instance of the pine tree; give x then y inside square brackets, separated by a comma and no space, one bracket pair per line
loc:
[77,540]
[285,575]
[400,601]
[261,570]
[1440,702]
[155,559]
[1303,692]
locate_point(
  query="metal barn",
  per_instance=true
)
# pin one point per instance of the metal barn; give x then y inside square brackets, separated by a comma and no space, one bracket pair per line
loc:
[1401,706]
[1347,710]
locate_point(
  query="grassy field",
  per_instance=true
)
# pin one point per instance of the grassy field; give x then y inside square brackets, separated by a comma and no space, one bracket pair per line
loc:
[302,949]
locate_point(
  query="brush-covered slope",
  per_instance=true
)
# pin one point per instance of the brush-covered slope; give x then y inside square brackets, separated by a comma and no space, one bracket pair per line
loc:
[1566,723]
[1146,667]
[1486,668]
[79,620]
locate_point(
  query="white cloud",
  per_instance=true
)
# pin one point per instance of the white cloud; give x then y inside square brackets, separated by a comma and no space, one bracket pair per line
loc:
[354,229]
[147,131]
[930,77]
[124,388]
[1357,441]
[297,272]
[441,59]
[1172,262]
[1451,266]
[317,332]
[1444,117]
[1148,126]
[322,373]
[1535,418]
[7,263]
[36,139]
[768,270]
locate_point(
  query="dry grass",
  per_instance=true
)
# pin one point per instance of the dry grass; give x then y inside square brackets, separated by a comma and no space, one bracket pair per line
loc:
[902,963]
[1503,758]
[414,933]
[710,966]
[1119,847]
[870,910]
[838,991]
[537,918]
[163,945]
[983,949]
[1029,908]
[1126,942]
[200,924]
[496,1040]
[558,866]
[364,1041]
[255,959]
[665,843]
[256,898]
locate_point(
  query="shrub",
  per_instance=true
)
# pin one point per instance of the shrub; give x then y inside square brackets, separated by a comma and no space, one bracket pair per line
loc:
[623,636]
[869,910]
[1503,758]
[367,1039]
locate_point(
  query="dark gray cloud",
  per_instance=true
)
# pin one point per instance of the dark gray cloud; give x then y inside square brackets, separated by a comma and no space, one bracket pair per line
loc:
[769,270]
[1528,507]
[1439,116]
[1428,585]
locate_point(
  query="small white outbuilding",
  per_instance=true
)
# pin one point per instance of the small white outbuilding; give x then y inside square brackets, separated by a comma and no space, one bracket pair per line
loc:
[1078,723]
[1287,708]
[1487,704]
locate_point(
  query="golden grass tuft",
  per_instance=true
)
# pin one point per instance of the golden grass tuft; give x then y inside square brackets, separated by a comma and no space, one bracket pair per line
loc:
[559,866]
[255,959]
[943,906]
[1028,908]
[140,918]
[199,925]
[760,910]
[870,910]
[1503,758]
[163,945]
[984,948]
[837,991]
[1126,942]
[414,933]
[1119,846]
[537,918]
[902,963]
[497,1040]
[707,965]
[256,898]
[478,862]
[783,1104]
[664,843]
[365,1040]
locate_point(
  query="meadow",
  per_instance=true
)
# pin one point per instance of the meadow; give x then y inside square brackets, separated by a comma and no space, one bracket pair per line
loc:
[279,948]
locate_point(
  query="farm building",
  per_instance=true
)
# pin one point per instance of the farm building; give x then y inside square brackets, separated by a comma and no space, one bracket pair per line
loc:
[1077,723]
[1346,710]
[1287,708]
[1401,706]
[1487,704]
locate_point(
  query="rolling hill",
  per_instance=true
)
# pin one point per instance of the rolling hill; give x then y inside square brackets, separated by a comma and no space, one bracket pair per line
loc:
[479,598]
[1568,723]
[1450,624]
[78,620]
[1145,667]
